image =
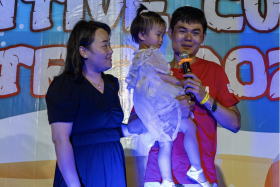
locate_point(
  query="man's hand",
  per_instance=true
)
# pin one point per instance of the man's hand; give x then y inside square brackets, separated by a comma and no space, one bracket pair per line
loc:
[194,85]
[228,118]
[186,105]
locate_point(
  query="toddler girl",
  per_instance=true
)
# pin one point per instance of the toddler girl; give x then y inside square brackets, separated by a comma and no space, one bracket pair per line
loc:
[154,96]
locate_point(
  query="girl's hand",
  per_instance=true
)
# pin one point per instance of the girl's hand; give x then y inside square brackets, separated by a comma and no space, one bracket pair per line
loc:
[186,105]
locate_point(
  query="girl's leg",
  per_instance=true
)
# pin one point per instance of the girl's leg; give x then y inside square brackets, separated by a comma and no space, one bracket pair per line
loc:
[164,160]
[188,127]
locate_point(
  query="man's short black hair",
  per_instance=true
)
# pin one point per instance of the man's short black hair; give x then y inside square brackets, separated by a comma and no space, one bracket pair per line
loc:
[188,15]
[144,22]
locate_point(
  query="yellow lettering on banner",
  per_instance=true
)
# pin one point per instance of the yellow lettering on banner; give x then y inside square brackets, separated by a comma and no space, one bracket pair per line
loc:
[158,6]
[48,62]
[45,63]
[11,59]
[209,54]
[41,18]
[98,10]
[257,87]
[8,11]
[258,21]
[73,12]
[274,82]
[221,23]
[110,12]
[122,56]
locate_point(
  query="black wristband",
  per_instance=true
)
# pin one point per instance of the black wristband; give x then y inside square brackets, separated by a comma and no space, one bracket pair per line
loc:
[213,107]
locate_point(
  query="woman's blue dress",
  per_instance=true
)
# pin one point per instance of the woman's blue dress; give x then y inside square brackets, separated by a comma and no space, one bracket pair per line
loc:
[95,135]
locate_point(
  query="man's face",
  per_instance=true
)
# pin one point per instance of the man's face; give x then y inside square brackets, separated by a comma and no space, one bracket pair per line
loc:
[187,37]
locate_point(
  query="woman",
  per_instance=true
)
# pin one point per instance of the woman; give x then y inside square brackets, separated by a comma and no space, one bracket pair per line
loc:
[85,112]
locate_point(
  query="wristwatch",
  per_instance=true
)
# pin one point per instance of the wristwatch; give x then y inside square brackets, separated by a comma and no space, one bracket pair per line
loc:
[213,107]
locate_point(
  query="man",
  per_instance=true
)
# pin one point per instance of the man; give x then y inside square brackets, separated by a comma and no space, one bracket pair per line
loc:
[187,32]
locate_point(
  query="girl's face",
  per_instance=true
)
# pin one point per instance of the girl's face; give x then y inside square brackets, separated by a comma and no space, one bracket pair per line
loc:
[99,53]
[154,37]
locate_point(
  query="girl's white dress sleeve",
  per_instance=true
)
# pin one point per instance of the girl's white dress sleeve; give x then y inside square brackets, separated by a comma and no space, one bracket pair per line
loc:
[154,100]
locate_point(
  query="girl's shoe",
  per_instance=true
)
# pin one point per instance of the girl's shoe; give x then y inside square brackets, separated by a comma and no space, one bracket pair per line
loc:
[166,183]
[193,174]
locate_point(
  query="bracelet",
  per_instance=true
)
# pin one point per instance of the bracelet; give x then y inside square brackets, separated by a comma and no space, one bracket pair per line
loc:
[207,96]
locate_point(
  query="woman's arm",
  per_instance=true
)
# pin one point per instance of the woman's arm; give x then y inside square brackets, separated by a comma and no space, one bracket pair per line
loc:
[64,153]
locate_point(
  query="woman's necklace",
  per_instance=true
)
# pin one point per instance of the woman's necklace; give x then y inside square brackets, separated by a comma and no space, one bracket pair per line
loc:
[98,86]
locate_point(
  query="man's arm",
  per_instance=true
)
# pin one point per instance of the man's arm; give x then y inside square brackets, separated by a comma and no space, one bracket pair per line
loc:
[228,118]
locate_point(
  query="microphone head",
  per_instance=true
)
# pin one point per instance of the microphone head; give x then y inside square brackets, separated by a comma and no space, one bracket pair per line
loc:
[183,55]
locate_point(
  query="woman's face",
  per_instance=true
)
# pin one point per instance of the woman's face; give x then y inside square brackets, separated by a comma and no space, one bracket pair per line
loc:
[99,53]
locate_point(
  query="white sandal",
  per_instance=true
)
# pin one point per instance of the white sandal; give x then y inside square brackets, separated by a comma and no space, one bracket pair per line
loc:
[166,183]
[193,175]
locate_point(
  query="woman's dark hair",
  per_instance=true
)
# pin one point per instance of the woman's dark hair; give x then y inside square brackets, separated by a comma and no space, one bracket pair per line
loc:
[82,34]
[144,22]
[188,15]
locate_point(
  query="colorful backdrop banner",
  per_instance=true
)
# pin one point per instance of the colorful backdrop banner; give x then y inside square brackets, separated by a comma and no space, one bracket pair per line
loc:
[242,37]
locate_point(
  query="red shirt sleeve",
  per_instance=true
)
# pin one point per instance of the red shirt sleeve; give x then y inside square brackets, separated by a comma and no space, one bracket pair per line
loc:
[225,94]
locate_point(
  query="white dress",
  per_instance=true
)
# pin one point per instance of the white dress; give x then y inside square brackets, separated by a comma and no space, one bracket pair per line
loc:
[154,100]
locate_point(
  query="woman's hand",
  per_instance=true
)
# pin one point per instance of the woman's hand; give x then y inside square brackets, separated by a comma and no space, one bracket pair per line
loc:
[186,105]
[194,85]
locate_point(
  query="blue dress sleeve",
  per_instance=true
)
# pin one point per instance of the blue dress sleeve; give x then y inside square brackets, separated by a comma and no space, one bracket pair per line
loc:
[62,99]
